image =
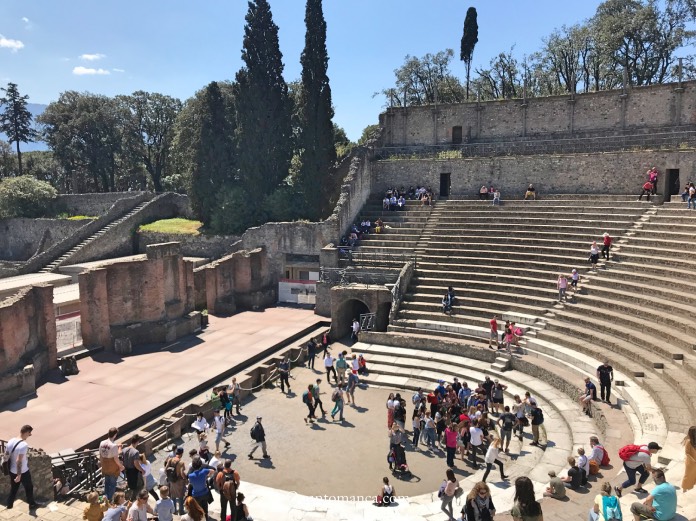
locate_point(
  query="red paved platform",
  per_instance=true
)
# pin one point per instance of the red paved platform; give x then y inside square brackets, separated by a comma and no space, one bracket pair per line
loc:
[70,412]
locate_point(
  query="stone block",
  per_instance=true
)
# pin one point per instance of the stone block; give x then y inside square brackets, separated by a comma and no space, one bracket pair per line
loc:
[123,346]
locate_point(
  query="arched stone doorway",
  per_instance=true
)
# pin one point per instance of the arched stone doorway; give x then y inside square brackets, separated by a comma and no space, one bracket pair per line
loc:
[347,311]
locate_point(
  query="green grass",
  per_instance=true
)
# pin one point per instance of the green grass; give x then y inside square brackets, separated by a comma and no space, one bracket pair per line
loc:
[81,218]
[181,226]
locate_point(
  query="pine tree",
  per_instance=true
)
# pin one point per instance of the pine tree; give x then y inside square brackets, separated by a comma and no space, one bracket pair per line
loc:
[469,41]
[212,154]
[316,140]
[264,128]
[15,119]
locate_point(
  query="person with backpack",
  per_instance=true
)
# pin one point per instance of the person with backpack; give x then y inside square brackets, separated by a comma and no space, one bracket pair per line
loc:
[507,423]
[636,460]
[174,469]
[259,436]
[599,457]
[606,507]
[226,483]
[308,400]
[537,420]
[337,399]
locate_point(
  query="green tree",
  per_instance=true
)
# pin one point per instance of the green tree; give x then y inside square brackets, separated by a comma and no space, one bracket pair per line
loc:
[469,41]
[8,165]
[367,134]
[503,78]
[24,196]
[212,153]
[151,130]
[316,139]
[419,81]
[86,134]
[15,119]
[263,110]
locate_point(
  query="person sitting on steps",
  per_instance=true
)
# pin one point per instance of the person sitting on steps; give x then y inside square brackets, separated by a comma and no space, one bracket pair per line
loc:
[530,193]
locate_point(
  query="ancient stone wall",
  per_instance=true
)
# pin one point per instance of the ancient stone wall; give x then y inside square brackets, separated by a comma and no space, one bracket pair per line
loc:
[611,172]
[22,238]
[207,246]
[658,107]
[90,204]
[41,477]
[27,340]
[241,280]
[144,300]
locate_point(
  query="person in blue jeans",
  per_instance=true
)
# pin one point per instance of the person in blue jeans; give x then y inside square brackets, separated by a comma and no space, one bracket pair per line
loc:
[661,504]
[197,479]
[638,463]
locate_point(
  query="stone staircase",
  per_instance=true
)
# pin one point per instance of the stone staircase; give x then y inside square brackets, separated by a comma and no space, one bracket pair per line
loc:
[65,258]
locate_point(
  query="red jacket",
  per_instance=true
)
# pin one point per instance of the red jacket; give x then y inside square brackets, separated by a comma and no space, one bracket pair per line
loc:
[648,186]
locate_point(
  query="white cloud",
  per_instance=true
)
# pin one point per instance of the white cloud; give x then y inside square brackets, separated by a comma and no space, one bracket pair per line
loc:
[85,71]
[8,43]
[118,70]
[25,19]
[92,57]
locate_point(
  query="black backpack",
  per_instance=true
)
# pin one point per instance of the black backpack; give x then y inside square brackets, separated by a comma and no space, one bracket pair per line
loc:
[170,471]
[252,432]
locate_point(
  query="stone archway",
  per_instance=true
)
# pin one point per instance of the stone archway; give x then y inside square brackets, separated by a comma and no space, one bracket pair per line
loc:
[349,302]
[347,311]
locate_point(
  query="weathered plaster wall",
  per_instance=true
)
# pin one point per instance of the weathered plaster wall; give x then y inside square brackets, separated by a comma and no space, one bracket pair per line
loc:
[207,246]
[90,204]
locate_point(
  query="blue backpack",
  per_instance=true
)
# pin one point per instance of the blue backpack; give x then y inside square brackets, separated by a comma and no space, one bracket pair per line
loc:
[611,508]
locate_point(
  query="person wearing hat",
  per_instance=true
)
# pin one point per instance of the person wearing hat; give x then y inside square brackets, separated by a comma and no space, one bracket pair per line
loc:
[638,463]
[606,246]
[259,437]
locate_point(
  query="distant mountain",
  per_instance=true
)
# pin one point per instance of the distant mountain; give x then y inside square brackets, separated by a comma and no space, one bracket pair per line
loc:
[36,109]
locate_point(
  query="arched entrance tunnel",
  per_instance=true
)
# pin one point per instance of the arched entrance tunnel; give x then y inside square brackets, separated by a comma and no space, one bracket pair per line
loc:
[347,311]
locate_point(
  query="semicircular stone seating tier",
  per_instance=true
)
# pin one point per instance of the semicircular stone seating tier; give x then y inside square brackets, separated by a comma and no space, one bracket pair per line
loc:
[636,311]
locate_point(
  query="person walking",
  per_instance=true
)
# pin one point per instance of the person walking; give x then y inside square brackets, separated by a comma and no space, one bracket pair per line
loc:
[354,330]
[574,279]
[493,337]
[17,454]
[219,427]
[316,394]
[661,504]
[227,482]
[308,400]
[236,391]
[525,507]
[451,485]
[519,409]
[259,437]
[134,472]
[337,398]
[111,466]
[594,255]
[311,353]
[506,423]
[562,286]
[350,388]
[476,442]
[605,375]
[606,246]
[451,436]
[637,462]
[537,421]
[479,504]
[341,368]
[328,365]
[689,443]
[284,370]
[492,458]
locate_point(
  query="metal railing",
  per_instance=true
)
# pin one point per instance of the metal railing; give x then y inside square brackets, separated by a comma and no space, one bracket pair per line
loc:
[686,140]
[78,473]
[356,257]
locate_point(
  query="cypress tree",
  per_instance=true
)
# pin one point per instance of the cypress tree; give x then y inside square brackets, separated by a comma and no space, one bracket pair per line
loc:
[264,128]
[213,156]
[316,139]
[469,41]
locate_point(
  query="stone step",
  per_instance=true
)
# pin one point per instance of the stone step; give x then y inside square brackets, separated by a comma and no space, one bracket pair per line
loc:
[647,284]
[670,279]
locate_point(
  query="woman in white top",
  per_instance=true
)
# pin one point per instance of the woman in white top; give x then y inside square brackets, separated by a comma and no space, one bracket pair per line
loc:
[149,479]
[200,424]
[492,458]
[450,488]
[594,255]
[476,441]
[583,461]
[390,410]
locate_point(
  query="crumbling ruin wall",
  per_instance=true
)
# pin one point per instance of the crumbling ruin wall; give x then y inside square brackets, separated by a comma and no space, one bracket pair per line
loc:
[241,280]
[27,340]
[143,300]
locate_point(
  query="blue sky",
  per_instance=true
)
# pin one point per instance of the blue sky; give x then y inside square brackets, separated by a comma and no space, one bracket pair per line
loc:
[176,47]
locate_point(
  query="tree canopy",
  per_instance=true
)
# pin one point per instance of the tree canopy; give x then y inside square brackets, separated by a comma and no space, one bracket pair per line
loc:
[15,119]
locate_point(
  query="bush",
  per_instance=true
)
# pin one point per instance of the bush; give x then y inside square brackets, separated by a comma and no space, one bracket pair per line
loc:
[25,196]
